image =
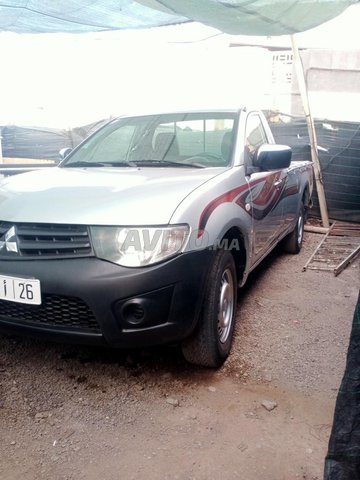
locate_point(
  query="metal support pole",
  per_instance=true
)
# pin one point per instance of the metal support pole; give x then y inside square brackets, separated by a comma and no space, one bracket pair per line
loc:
[312,133]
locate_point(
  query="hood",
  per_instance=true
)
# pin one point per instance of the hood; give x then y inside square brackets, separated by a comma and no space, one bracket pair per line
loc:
[99,196]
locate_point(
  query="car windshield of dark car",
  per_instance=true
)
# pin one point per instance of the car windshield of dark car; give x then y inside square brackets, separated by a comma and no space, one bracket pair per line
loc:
[182,139]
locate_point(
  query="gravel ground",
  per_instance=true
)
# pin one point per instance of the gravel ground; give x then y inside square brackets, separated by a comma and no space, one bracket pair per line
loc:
[71,412]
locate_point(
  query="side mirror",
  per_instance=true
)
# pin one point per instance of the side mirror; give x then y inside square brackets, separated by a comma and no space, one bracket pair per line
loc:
[64,152]
[272,157]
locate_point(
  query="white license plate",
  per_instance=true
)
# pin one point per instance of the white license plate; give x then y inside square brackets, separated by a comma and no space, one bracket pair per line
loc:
[21,290]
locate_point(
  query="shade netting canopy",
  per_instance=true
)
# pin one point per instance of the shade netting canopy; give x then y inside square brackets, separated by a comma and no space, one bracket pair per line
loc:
[249,17]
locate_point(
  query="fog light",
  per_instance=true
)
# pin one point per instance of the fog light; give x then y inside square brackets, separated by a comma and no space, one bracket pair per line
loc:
[133,312]
[151,309]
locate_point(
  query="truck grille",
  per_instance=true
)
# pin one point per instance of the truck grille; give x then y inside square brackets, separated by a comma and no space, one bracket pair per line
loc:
[55,311]
[43,240]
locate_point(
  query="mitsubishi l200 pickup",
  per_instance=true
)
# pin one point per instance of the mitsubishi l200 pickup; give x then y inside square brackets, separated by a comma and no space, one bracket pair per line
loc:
[144,232]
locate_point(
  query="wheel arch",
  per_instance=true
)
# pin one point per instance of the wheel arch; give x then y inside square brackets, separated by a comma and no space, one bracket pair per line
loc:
[306,199]
[236,242]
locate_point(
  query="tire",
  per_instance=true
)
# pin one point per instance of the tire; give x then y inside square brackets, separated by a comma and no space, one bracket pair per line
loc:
[210,344]
[292,243]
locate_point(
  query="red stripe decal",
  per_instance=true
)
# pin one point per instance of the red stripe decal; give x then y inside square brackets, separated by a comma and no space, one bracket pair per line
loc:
[227,197]
[224,198]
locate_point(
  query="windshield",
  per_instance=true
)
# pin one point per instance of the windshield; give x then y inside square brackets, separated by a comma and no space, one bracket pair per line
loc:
[186,139]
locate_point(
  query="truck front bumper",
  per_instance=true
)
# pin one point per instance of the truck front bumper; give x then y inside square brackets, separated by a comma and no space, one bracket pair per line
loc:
[92,301]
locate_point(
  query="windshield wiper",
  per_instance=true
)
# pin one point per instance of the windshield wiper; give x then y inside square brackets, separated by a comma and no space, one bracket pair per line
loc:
[165,163]
[98,164]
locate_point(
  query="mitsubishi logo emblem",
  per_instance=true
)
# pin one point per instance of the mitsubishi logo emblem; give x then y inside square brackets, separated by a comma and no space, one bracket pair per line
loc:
[8,241]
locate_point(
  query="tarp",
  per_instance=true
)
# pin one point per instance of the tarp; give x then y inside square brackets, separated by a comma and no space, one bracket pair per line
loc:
[250,17]
[39,143]
[343,458]
[339,160]
[34,142]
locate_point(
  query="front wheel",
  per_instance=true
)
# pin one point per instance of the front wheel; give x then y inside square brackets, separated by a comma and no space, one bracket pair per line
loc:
[210,344]
[292,243]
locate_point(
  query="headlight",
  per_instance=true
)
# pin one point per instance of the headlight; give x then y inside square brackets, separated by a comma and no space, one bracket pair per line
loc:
[138,246]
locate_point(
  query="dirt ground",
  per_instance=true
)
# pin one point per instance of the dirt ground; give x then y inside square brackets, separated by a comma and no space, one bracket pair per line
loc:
[83,413]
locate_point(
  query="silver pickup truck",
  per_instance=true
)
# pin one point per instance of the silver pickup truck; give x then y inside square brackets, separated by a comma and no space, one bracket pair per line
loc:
[144,232]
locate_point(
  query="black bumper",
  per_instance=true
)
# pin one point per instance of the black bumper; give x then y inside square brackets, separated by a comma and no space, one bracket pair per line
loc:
[92,301]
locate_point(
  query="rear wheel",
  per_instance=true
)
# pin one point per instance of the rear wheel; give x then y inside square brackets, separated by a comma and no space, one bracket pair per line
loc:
[292,243]
[210,344]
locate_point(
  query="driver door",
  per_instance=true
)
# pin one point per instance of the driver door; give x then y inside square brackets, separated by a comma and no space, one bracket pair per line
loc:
[266,189]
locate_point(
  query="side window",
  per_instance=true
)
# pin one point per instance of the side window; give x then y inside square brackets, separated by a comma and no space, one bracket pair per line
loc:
[255,136]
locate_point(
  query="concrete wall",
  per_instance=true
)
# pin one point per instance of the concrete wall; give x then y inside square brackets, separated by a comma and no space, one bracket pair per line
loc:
[333,79]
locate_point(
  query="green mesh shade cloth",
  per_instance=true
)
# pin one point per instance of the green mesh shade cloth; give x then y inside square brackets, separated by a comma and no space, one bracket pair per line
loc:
[250,17]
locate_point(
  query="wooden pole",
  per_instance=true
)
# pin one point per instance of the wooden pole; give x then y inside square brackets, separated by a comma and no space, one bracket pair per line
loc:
[1,155]
[312,133]
[310,228]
